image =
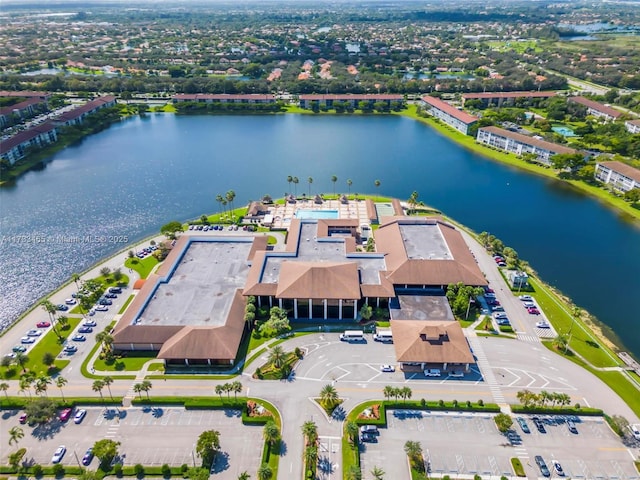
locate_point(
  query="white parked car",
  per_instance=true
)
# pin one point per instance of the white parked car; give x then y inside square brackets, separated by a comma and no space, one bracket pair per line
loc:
[387,368]
[542,325]
[526,298]
[58,454]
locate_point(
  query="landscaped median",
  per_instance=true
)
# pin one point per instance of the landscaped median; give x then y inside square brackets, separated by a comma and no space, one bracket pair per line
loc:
[374,412]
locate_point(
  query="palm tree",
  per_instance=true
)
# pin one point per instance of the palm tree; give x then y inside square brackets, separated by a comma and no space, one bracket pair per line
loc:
[271,433]
[328,395]
[352,431]
[289,180]
[97,386]
[334,179]
[219,200]
[146,386]
[15,435]
[277,356]
[21,360]
[311,455]
[310,430]
[105,339]
[61,382]
[413,449]
[377,184]
[229,197]
[310,180]
[137,388]
[219,389]
[42,383]
[244,476]
[4,386]
[388,392]
[406,393]
[265,472]
[51,310]
[295,184]
[75,278]
[236,387]
[349,183]
[377,473]
[354,473]
[107,383]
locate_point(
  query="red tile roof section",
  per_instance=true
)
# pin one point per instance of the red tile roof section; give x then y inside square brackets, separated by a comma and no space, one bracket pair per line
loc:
[449,109]
[552,147]
[612,112]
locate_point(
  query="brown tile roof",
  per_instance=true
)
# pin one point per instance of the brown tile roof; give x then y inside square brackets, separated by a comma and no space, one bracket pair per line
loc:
[518,137]
[449,109]
[612,112]
[20,106]
[319,280]
[397,207]
[364,96]
[623,169]
[141,335]
[86,108]
[25,136]
[633,122]
[24,94]
[222,96]
[325,224]
[430,342]
[462,268]
[468,96]
[372,214]
[217,343]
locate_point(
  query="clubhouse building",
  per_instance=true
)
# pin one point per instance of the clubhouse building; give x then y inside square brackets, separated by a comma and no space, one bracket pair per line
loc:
[192,310]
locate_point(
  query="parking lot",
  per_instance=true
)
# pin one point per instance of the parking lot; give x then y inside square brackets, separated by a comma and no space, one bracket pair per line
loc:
[469,444]
[149,436]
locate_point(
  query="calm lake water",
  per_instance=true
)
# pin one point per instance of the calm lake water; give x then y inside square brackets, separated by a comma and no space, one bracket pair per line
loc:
[127,181]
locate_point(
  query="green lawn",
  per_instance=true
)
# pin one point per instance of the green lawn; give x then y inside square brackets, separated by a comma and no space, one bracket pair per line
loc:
[582,340]
[131,363]
[142,266]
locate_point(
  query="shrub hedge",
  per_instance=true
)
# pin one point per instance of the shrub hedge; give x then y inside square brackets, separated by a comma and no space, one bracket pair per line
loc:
[592,412]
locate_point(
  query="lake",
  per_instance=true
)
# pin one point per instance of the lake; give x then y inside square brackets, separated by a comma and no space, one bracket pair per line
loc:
[124,183]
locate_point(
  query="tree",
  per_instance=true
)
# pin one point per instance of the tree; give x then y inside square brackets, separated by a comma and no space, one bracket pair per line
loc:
[61,382]
[244,476]
[351,430]
[406,393]
[289,180]
[106,450]
[21,360]
[105,339]
[236,388]
[230,197]
[40,410]
[413,201]
[560,342]
[42,384]
[277,356]
[208,446]
[75,278]
[366,311]
[271,433]
[377,473]
[219,199]
[310,431]
[169,229]
[295,185]
[310,180]
[219,389]
[354,473]
[107,381]
[377,184]
[503,422]
[334,179]
[15,435]
[48,359]
[414,452]
[146,386]
[311,455]
[387,391]
[265,472]
[97,386]
[328,395]
[526,397]
[105,271]
[349,183]
[4,386]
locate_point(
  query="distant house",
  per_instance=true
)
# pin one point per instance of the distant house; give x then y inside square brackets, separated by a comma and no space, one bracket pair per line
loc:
[223,98]
[633,126]
[450,115]
[25,94]
[503,99]
[597,109]
[16,147]
[307,101]
[520,144]
[77,115]
[620,176]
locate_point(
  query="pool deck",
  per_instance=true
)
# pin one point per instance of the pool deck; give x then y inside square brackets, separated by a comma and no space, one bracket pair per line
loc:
[283,214]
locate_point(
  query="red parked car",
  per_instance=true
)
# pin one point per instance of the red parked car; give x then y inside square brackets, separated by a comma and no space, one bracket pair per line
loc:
[43,324]
[533,311]
[65,414]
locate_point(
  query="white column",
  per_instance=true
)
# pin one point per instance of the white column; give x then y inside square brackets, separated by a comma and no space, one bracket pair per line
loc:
[324,304]
[340,308]
[310,308]
[295,308]
[280,302]
[355,310]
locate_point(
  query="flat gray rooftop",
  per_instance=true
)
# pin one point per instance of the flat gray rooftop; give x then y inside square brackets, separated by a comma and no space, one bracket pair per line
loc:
[425,242]
[202,286]
[422,307]
[312,250]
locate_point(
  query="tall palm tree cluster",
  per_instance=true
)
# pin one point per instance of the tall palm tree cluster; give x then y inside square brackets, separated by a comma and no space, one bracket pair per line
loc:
[334,178]
[397,392]
[223,201]
[228,388]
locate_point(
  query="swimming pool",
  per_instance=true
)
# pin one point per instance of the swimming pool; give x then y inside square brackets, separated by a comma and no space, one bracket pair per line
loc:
[564,131]
[316,214]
